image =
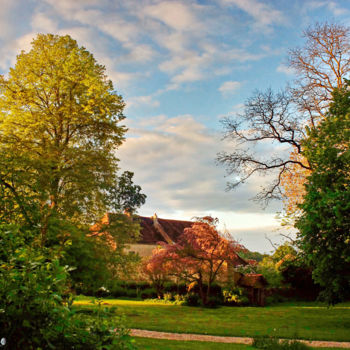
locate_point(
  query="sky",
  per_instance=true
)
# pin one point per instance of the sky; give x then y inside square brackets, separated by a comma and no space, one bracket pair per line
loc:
[181,66]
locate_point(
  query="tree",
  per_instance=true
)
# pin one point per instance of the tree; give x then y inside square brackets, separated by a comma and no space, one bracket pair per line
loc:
[325,223]
[280,118]
[59,129]
[199,256]
[125,195]
[158,268]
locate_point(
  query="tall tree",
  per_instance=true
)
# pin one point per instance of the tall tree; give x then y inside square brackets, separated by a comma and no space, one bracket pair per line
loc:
[325,223]
[280,118]
[59,129]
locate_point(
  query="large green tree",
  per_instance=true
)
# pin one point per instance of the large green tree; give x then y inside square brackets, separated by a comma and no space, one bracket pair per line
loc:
[59,130]
[325,223]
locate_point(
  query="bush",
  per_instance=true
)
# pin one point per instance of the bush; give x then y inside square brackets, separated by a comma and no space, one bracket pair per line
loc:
[118,291]
[149,293]
[168,297]
[192,299]
[271,343]
[179,299]
[131,293]
[214,301]
[35,310]
[235,296]
[143,285]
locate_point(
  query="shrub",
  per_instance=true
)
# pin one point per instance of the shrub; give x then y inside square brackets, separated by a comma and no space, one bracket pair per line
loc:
[168,297]
[118,291]
[192,299]
[35,311]
[214,301]
[149,293]
[170,287]
[143,285]
[179,299]
[131,293]
[235,296]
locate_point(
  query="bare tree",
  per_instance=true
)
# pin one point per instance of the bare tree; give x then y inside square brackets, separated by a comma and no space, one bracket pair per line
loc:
[321,65]
[280,118]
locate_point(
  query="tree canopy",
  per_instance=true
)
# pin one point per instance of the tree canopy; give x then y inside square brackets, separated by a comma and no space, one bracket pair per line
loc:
[325,222]
[200,256]
[59,130]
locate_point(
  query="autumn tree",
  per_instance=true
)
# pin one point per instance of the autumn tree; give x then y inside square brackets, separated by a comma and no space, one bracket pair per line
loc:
[280,118]
[158,268]
[199,256]
[59,130]
[324,225]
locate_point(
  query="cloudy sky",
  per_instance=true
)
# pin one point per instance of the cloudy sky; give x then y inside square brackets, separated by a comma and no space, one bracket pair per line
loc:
[181,65]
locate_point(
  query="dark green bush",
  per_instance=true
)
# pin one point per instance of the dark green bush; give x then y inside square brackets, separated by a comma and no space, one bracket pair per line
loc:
[143,285]
[214,301]
[118,291]
[192,299]
[131,293]
[35,310]
[149,293]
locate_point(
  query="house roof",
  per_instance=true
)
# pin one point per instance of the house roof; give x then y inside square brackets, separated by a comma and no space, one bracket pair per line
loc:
[154,229]
[253,280]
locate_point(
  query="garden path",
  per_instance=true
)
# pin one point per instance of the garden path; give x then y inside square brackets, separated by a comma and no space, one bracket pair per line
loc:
[221,339]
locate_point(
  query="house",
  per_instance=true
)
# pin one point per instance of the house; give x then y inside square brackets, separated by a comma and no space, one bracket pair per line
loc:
[255,285]
[152,231]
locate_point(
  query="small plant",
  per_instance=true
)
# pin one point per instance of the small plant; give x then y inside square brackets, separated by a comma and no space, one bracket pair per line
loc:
[235,296]
[168,297]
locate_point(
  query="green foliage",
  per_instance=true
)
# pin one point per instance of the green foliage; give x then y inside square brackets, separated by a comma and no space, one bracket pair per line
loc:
[149,293]
[59,127]
[35,310]
[325,223]
[192,299]
[282,251]
[235,296]
[125,195]
[96,263]
[272,343]
[252,255]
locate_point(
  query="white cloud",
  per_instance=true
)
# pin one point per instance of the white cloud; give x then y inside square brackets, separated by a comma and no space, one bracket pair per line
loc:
[41,22]
[145,101]
[263,14]
[229,87]
[175,15]
[285,69]
[174,162]
[332,6]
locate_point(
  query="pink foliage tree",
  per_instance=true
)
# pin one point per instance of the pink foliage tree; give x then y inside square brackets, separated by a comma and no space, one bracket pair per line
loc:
[199,256]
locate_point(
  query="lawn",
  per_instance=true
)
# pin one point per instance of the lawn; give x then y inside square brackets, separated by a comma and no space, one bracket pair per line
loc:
[161,344]
[287,320]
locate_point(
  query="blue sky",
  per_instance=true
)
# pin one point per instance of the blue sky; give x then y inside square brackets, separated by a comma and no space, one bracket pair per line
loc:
[181,66]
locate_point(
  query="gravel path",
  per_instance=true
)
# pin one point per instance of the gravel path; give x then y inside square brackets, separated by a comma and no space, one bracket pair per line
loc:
[219,339]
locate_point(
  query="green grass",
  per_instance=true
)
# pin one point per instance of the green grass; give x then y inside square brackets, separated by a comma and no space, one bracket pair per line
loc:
[287,320]
[162,344]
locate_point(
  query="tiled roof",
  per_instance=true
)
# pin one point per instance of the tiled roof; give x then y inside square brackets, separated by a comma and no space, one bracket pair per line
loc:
[153,229]
[149,233]
[254,280]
